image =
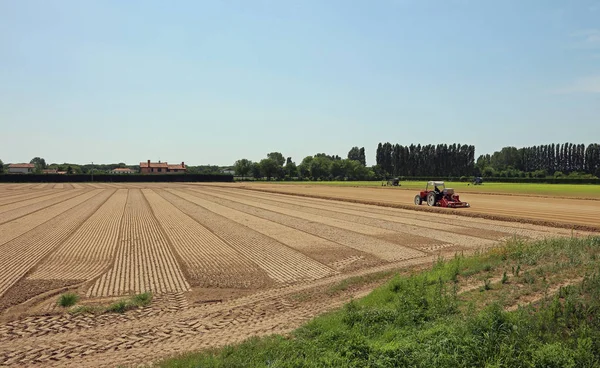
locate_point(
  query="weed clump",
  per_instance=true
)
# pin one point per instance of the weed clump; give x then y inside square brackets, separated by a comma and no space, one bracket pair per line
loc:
[120,306]
[68,300]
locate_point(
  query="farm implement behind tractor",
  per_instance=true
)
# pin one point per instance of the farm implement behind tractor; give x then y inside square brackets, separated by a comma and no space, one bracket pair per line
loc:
[436,194]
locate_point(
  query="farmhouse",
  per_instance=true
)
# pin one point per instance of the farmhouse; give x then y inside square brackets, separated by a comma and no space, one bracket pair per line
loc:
[162,168]
[20,168]
[122,171]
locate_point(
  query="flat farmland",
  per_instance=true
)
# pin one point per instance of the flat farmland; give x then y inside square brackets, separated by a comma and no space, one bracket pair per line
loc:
[223,262]
[531,207]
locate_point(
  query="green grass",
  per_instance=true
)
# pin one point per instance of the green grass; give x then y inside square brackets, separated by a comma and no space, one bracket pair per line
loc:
[68,300]
[421,320]
[120,306]
[560,190]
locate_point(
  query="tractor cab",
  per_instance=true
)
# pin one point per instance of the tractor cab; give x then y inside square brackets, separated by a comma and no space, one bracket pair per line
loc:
[439,188]
[436,186]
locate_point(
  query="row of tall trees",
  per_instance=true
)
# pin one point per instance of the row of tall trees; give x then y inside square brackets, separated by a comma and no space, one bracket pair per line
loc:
[550,159]
[428,160]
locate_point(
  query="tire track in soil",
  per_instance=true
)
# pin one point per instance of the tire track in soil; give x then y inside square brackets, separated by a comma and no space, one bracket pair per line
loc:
[9,197]
[208,260]
[22,254]
[553,212]
[378,247]
[415,217]
[90,250]
[24,290]
[281,263]
[6,207]
[22,225]
[144,261]
[323,250]
[154,337]
[4,186]
[441,231]
[15,213]
[367,230]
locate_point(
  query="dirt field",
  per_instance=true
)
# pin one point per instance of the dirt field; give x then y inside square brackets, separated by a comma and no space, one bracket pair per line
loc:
[534,209]
[224,263]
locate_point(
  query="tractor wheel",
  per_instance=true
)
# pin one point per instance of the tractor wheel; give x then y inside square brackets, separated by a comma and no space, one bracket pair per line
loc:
[418,200]
[431,199]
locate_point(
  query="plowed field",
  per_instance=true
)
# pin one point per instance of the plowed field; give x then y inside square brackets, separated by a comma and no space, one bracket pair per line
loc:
[223,262]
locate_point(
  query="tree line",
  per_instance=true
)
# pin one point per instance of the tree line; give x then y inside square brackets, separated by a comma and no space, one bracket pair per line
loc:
[98,169]
[556,160]
[394,160]
[428,160]
[433,161]
[320,166]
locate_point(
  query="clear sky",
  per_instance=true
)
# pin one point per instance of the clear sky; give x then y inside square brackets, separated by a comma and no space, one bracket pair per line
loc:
[209,82]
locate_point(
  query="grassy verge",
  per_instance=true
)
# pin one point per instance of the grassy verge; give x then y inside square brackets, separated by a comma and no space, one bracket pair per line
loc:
[458,313]
[556,190]
[121,306]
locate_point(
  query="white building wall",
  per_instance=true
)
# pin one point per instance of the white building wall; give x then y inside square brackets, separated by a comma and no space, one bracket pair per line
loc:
[18,170]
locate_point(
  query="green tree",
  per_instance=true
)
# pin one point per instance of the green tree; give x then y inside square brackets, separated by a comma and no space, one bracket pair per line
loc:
[269,167]
[40,163]
[69,170]
[320,167]
[338,169]
[291,170]
[355,170]
[362,158]
[377,172]
[242,167]
[255,170]
[277,157]
[304,167]
[1,167]
[354,154]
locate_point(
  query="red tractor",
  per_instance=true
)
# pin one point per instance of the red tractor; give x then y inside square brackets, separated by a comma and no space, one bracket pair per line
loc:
[436,194]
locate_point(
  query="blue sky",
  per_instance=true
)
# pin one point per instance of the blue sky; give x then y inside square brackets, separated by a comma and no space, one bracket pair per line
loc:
[209,82]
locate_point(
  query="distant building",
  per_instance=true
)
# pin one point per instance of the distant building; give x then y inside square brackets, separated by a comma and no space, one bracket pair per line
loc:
[53,171]
[122,171]
[21,168]
[162,168]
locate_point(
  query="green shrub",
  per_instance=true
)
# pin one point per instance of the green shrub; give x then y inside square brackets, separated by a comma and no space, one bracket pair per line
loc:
[118,307]
[68,300]
[143,299]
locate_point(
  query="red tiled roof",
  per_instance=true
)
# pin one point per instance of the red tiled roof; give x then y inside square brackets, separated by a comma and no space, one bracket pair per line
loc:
[122,169]
[176,167]
[154,164]
[22,166]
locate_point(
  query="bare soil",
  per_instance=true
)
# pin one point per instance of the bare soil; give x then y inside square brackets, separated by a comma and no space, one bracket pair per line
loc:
[224,262]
